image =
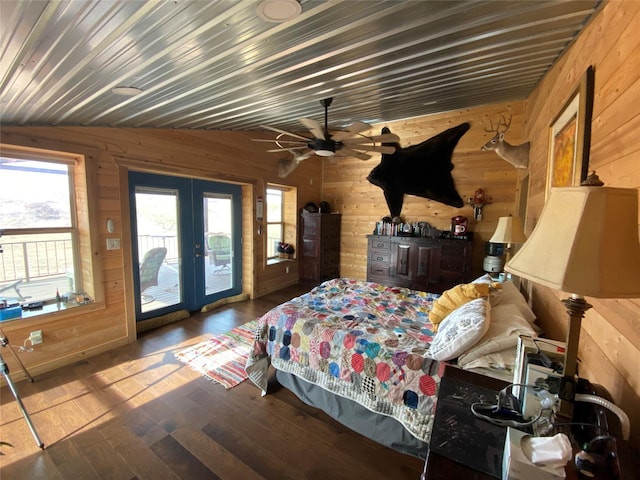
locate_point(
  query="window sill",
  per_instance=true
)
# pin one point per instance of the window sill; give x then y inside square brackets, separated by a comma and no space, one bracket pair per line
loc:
[275,261]
[57,310]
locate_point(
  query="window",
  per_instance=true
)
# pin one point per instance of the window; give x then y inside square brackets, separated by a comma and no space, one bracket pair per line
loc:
[275,221]
[43,255]
[281,219]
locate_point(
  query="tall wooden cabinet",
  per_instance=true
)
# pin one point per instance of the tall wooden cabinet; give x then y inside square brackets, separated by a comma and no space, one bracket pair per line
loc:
[421,263]
[319,258]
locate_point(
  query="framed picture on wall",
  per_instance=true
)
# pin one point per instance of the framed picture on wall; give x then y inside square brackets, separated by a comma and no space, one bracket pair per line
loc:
[570,137]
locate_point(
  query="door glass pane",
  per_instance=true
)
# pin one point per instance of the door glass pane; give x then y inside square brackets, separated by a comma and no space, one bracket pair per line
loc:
[218,241]
[158,248]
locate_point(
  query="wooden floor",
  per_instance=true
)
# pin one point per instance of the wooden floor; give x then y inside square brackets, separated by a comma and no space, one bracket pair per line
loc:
[136,413]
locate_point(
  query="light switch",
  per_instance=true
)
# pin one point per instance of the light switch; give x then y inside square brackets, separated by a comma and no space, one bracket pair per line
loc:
[113,244]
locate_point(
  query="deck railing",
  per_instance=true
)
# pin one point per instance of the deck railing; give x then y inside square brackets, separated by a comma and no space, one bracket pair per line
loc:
[170,242]
[35,259]
[38,259]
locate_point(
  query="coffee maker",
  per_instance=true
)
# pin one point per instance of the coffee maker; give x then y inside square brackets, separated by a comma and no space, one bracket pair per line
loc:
[459,226]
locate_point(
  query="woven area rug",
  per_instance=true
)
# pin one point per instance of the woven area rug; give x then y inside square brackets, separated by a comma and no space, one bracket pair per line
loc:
[223,357]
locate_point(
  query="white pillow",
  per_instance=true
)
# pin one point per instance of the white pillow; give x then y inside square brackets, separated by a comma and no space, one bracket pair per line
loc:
[461,329]
[509,293]
[507,322]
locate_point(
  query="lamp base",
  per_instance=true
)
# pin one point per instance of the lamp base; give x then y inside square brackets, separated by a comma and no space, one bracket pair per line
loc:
[576,307]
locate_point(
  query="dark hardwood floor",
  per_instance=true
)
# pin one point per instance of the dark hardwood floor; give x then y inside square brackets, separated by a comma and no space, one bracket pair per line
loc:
[136,413]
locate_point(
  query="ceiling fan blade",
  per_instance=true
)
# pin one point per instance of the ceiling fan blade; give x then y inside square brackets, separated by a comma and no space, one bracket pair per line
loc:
[353,129]
[378,148]
[300,156]
[386,138]
[294,135]
[346,152]
[286,166]
[292,142]
[314,127]
[286,149]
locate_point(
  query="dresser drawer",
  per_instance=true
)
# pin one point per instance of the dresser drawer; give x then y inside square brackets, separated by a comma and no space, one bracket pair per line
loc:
[379,257]
[382,243]
[379,269]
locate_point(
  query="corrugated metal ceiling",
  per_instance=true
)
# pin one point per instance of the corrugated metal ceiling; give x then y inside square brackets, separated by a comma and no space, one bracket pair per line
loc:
[217,65]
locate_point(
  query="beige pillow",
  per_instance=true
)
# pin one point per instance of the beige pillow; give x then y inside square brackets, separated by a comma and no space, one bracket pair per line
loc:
[510,294]
[506,324]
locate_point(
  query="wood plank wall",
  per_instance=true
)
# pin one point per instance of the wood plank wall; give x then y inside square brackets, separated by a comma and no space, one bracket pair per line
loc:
[362,204]
[223,156]
[610,338]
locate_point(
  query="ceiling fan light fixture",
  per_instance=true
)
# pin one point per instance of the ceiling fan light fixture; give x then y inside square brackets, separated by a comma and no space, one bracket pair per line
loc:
[325,153]
[278,11]
[126,91]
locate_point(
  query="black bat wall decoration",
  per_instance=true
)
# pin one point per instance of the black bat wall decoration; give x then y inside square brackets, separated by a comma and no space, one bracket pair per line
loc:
[423,170]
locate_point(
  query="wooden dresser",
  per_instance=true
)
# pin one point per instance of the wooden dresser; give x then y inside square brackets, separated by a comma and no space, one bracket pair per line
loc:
[319,257]
[421,263]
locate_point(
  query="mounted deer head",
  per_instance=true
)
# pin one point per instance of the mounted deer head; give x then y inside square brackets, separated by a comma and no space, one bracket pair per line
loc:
[516,155]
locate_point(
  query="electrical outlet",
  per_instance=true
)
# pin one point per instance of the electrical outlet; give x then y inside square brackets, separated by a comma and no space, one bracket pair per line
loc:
[35,337]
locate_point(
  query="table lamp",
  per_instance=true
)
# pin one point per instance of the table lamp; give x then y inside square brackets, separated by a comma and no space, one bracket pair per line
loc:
[508,231]
[585,244]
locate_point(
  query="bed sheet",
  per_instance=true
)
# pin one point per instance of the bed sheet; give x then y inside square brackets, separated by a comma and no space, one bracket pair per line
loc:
[360,340]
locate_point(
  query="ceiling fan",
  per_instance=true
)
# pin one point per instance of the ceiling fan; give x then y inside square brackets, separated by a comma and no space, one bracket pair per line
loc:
[343,143]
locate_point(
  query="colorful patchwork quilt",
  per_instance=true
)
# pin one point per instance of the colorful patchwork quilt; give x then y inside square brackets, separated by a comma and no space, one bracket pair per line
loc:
[360,340]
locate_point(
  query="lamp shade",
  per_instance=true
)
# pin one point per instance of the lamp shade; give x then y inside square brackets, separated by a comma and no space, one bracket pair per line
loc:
[585,243]
[509,230]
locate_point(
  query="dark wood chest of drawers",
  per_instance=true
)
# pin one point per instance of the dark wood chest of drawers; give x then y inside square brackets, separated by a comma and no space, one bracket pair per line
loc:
[421,263]
[320,247]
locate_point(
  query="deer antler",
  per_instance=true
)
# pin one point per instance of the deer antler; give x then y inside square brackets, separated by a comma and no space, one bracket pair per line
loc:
[502,123]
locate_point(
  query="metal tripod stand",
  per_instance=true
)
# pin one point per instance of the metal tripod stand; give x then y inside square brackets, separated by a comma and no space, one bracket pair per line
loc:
[5,371]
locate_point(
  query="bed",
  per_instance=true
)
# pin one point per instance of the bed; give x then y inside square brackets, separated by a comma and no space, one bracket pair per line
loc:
[371,356]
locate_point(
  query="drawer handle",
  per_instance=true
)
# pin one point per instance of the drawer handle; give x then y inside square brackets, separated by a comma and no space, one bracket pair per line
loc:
[380,258]
[380,245]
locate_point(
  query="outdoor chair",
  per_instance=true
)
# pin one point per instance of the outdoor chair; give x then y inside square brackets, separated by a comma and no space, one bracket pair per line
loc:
[14,286]
[219,250]
[149,270]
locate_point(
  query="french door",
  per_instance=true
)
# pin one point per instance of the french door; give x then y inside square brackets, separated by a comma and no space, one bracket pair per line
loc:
[186,242]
